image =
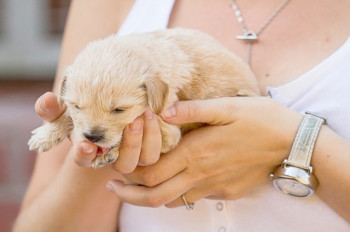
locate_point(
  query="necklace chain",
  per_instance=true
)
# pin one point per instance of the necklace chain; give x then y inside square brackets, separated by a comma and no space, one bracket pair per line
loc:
[252,36]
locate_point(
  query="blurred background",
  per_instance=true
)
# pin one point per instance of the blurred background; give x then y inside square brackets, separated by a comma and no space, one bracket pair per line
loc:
[30,38]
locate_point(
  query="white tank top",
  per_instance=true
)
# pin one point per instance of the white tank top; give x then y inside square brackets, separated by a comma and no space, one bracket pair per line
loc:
[324,90]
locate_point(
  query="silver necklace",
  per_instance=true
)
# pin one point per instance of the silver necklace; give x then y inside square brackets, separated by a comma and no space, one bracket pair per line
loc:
[250,36]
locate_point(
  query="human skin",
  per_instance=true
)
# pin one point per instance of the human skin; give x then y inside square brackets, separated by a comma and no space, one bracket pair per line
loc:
[62,186]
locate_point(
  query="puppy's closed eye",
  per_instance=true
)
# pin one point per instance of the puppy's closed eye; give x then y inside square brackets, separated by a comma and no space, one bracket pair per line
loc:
[71,103]
[118,110]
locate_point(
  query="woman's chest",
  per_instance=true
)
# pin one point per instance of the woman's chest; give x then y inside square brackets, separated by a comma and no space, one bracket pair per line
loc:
[297,39]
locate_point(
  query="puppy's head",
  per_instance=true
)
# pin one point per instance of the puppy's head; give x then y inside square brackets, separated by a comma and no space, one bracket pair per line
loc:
[106,88]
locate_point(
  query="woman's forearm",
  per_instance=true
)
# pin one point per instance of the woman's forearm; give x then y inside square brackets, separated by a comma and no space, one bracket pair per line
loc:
[63,196]
[331,163]
[75,200]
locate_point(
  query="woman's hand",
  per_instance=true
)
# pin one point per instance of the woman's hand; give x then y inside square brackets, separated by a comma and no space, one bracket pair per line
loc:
[143,133]
[245,140]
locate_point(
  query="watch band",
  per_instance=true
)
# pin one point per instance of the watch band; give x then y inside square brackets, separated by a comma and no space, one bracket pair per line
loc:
[304,142]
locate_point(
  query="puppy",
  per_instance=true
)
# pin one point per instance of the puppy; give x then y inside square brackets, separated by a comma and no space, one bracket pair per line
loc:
[113,80]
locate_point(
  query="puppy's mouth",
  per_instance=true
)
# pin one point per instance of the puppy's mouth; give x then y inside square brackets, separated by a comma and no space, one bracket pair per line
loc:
[103,150]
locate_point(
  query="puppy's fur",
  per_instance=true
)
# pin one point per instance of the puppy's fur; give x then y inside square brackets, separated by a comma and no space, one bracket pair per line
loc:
[113,80]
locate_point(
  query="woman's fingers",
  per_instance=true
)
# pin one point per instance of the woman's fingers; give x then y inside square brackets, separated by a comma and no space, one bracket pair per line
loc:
[152,141]
[191,197]
[151,197]
[85,153]
[48,108]
[130,148]
[218,162]
[141,143]
[168,166]
[206,111]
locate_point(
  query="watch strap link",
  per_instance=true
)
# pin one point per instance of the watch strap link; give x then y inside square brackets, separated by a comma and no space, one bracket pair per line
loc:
[304,142]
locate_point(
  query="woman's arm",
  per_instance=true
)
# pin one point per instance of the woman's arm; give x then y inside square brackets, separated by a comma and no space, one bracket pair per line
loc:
[63,196]
[228,160]
[331,165]
[73,199]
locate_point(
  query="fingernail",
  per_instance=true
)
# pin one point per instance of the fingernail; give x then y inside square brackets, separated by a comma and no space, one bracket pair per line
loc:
[135,126]
[169,113]
[110,186]
[88,150]
[43,103]
[149,114]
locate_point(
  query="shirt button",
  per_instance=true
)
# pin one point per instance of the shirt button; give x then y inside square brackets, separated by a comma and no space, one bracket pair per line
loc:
[219,206]
[222,229]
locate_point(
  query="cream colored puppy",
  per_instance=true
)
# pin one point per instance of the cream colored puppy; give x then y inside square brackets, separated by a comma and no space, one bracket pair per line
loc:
[113,80]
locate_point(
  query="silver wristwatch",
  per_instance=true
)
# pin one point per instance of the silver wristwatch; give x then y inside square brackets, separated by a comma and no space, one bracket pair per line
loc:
[295,176]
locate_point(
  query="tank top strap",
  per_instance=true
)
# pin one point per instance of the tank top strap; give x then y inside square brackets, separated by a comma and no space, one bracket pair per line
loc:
[147,15]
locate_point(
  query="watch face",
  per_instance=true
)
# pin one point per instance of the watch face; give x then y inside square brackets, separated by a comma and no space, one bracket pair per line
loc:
[292,187]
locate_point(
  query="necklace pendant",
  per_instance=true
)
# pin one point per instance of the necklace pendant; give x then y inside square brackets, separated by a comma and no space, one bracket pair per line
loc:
[248,36]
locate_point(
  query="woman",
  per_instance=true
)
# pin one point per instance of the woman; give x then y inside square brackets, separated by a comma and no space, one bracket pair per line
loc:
[299,52]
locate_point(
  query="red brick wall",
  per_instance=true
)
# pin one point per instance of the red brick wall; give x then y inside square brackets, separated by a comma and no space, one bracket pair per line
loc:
[17,119]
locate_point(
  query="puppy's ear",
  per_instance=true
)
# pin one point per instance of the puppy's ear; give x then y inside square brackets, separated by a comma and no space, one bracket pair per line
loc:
[62,88]
[157,93]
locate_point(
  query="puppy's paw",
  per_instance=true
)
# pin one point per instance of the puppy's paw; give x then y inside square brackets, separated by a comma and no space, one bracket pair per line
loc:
[103,160]
[171,135]
[43,138]
[50,134]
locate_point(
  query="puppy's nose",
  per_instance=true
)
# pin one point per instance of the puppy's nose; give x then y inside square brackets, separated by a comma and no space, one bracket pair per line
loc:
[94,136]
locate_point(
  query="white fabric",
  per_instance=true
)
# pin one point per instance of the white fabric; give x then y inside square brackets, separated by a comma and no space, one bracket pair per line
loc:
[323,90]
[147,15]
